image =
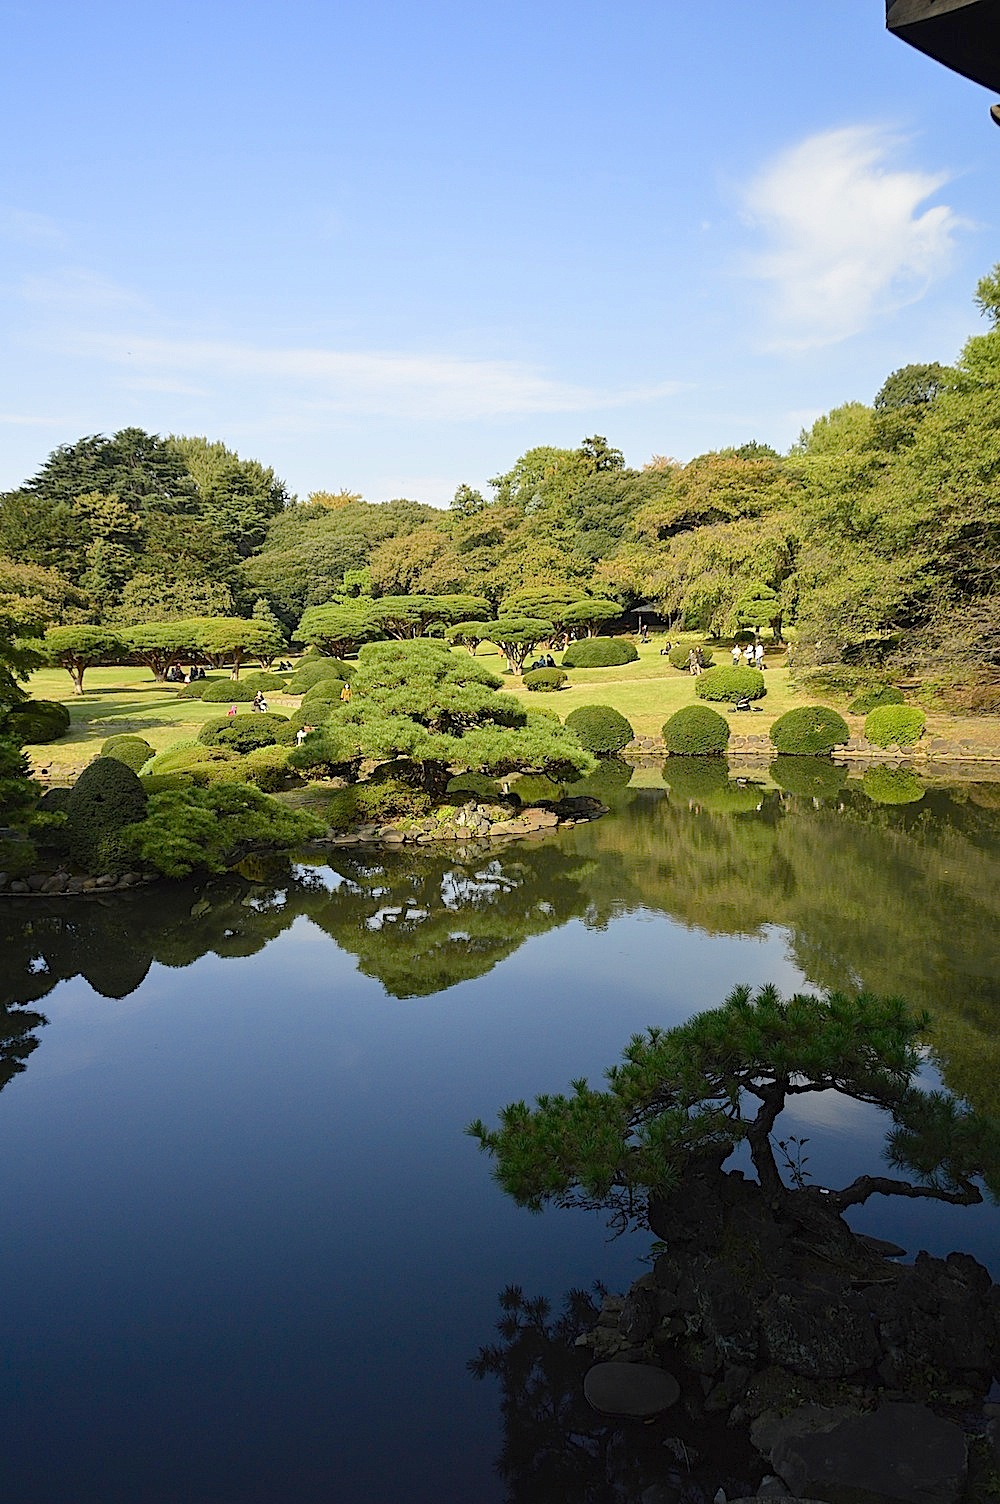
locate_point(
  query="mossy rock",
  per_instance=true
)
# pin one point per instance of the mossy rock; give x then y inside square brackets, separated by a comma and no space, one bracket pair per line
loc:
[600,652]
[724,683]
[133,751]
[895,725]
[892,786]
[809,731]
[808,777]
[38,721]
[601,729]
[696,731]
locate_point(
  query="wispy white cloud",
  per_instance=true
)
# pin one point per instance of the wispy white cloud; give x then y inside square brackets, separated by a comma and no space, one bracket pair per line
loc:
[324,383]
[25,227]
[848,238]
[30,420]
[77,291]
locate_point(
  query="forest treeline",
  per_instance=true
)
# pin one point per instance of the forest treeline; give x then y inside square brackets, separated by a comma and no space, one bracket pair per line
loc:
[875,536]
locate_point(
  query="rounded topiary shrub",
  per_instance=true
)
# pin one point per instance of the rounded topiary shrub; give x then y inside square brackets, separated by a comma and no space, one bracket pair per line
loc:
[265,682]
[808,777]
[696,731]
[892,786]
[311,670]
[176,758]
[195,691]
[544,680]
[601,729]
[680,654]
[106,798]
[809,731]
[226,691]
[133,751]
[600,652]
[894,725]
[870,698]
[37,721]
[242,733]
[317,700]
[267,768]
[730,684]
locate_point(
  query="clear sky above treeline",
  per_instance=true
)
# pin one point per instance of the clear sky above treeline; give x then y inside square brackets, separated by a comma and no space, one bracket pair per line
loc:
[390,247]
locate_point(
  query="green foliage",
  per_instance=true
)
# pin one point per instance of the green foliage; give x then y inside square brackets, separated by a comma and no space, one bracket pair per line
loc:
[311,670]
[179,757]
[869,699]
[325,693]
[517,637]
[38,721]
[267,768]
[265,683]
[892,785]
[809,731]
[339,629]
[243,733]
[535,788]
[705,782]
[696,731]
[105,799]
[192,829]
[730,684]
[601,729]
[544,679]
[723,1076]
[473,786]
[383,799]
[78,648]
[680,653]
[809,777]
[913,385]
[196,689]
[600,652]
[894,725]
[133,751]
[227,692]
[18,856]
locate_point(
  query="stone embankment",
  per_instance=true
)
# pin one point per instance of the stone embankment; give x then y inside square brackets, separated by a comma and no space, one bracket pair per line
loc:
[56,884]
[758,744]
[471,822]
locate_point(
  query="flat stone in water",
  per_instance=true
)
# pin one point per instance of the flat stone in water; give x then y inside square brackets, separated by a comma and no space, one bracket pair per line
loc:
[635,1390]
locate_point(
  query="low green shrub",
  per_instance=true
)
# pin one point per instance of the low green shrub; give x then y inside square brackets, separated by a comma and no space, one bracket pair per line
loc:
[133,751]
[311,670]
[600,652]
[189,764]
[210,829]
[894,725]
[242,733]
[696,731]
[808,777]
[870,699]
[730,684]
[383,799]
[267,768]
[892,785]
[601,729]
[105,799]
[38,721]
[266,683]
[177,756]
[837,678]
[809,731]
[680,654]
[196,691]
[317,701]
[227,692]
[544,679]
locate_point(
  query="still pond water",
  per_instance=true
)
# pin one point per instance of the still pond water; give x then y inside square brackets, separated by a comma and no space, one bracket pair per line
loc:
[246,1251]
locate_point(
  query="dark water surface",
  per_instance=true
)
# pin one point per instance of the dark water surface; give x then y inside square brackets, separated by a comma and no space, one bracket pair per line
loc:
[246,1250]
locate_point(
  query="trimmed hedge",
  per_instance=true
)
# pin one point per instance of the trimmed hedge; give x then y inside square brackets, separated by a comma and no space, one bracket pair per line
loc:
[892,786]
[38,721]
[267,768]
[133,751]
[730,684]
[602,730]
[318,700]
[545,680]
[696,731]
[242,733]
[809,731]
[311,670]
[894,725]
[225,690]
[681,652]
[265,682]
[195,691]
[600,652]
[808,777]
[106,798]
[871,698]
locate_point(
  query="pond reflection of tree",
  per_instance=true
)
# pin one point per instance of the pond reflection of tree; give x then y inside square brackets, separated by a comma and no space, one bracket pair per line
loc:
[555,1447]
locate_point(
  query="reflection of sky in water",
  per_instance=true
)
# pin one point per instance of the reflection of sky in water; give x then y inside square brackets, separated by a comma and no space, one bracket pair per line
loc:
[247,1248]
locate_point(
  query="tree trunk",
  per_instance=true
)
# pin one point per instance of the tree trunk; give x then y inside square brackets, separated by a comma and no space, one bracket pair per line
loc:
[76,673]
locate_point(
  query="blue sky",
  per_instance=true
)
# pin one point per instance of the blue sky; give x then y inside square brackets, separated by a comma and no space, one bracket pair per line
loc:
[390,247]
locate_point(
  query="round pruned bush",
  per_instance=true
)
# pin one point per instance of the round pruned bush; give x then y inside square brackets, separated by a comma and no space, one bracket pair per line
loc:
[38,721]
[894,725]
[133,751]
[730,684]
[601,729]
[187,762]
[242,733]
[196,690]
[266,683]
[228,691]
[600,652]
[809,731]
[696,731]
[267,768]
[544,680]
[892,785]
[869,699]
[106,798]
[311,670]
[808,777]
[680,653]
[317,701]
